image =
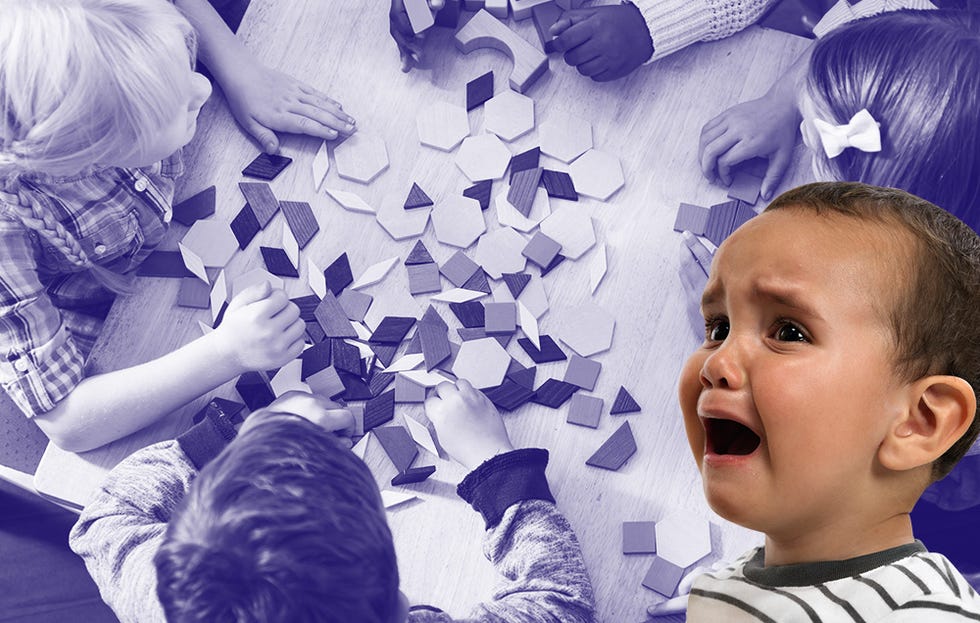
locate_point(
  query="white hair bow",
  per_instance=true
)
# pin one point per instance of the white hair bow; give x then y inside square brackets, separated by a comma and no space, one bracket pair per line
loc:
[861,132]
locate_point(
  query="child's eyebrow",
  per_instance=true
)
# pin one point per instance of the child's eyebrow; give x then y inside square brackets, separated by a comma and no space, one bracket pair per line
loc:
[786,297]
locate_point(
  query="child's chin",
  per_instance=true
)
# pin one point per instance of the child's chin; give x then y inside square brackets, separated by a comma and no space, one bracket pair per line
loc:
[731,505]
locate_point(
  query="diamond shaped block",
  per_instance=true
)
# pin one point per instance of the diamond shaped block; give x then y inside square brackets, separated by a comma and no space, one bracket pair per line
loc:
[482,362]
[458,221]
[479,90]
[509,115]
[483,157]
[266,166]
[213,241]
[597,174]
[499,252]
[442,125]
[549,351]
[245,225]
[350,201]
[587,329]
[683,539]
[572,228]
[553,393]
[565,136]
[361,157]
[510,216]
[195,207]
[399,222]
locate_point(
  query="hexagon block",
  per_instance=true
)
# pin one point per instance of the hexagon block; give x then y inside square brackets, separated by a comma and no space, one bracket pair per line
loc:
[362,157]
[212,241]
[252,277]
[482,362]
[597,174]
[587,329]
[571,228]
[565,136]
[399,222]
[458,221]
[483,157]
[442,125]
[683,539]
[499,252]
[509,115]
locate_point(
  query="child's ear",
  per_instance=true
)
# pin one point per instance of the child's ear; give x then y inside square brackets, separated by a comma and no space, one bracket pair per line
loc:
[940,409]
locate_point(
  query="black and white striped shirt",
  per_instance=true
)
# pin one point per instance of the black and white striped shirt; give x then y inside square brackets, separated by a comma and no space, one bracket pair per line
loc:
[904,584]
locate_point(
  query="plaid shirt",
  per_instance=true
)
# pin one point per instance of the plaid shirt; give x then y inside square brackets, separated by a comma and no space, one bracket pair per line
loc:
[51,311]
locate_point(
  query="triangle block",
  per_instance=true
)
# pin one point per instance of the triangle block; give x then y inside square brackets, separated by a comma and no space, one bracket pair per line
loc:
[419,255]
[481,192]
[624,403]
[417,198]
[516,282]
[616,450]
[196,207]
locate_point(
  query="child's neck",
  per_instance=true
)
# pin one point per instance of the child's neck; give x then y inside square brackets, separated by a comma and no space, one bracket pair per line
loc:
[847,539]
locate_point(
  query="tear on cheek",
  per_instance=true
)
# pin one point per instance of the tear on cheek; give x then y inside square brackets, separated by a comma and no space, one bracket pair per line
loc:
[730,437]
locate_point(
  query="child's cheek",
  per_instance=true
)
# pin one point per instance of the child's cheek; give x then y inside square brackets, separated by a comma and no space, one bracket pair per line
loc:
[689,390]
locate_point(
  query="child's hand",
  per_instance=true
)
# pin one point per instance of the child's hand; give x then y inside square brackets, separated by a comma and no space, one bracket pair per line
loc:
[766,127]
[409,44]
[467,424]
[261,328]
[265,101]
[326,414]
[605,42]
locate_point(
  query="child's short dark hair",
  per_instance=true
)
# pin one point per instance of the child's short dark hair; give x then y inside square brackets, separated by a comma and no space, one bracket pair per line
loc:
[284,525]
[936,321]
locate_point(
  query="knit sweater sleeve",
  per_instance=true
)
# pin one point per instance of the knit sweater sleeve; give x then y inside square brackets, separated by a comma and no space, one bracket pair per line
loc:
[676,24]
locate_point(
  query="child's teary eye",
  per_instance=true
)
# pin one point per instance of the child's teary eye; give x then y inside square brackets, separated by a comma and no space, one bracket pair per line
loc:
[715,329]
[789,332]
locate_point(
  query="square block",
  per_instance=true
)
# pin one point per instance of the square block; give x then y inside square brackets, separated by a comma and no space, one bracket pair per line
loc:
[407,390]
[194,293]
[663,577]
[423,278]
[582,372]
[541,249]
[459,268]
[584,410]
[692,218]
[639,537]
[500,318]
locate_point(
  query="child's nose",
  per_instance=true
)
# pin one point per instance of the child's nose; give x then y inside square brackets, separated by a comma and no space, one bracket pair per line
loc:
[722,368]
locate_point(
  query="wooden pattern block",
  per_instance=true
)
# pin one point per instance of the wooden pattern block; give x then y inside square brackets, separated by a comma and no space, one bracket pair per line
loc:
[499,252]
[392,329]
[418,255]
[251,278]
[374,273]
[355,304]
[355,388]
[584,410]
[307,306]
[478,282]
[417,198]
[399,222]
[559,184]
[458,221]
[545,15]
[195,207]
[572,228]
[431,316]
[380,381]
[582,372]
[565,136]
[743,213]
[423,278]
[483,30]
[379,410]
[624,403]
[361,157]
[482,362]
[350,201]
[553,393]
[470,314]
[194,293]
[745,187]
[521,375]
[497,8]
[523,187]
[346,357]
[442,125]
[639,537]
[510,216]
[407,390]
[315,358]
[267,166]
[459,268]
[524,161]
[587,329]
[615,451]
[245,226]
[326,382]
[541,249]
[398,445]
[277,262]
[264,204]
[509,115]
[481,192]
[509,395]
[301,221]
[333,319]
[479,90]
[483,157]
[702,255]
[522,9]
[598,268]
[683,539]
[164,264]
[478,333]
[448,16]
[254,389]
[721,219]
[558,259]
[419,15]
[420,433]
[549,350]
[434,340]
[500,318]
[384,353]
[663,576]
[597,174]
[320,165]
[516,282]
[414,474]
[692,218]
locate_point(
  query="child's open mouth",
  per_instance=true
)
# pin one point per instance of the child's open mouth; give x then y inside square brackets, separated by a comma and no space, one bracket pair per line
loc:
[729,437]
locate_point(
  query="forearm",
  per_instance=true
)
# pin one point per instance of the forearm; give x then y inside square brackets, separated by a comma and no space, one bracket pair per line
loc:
[218,47]
[107,407]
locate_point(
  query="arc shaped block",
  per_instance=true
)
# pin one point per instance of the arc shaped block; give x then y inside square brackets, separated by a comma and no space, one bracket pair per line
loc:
[482,362]
[361,157]
[485,31]
[509,115]
[597,174]
[483,157]
[458,221]
[442,125]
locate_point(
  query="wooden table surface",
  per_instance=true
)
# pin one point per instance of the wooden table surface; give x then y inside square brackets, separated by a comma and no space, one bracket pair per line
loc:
[651,121]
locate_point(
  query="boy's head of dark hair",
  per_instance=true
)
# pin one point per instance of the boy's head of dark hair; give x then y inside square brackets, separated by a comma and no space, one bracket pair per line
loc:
[935,314]
[284,525]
